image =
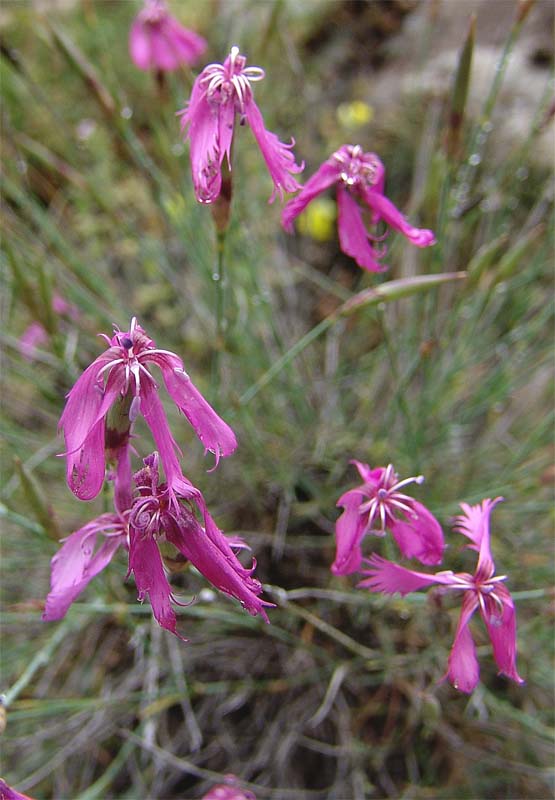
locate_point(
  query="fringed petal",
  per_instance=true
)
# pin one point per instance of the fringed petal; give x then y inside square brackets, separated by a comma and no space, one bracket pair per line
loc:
[75,564]
[200,123]
[369,475]
[155,417]
[383,208]
[500,619]
[463,670]
[187,45]
[85,462]
[217,562]
[323,178]
[474,524]
[419,536]
[387,577]
[145,563]
[349,531]
[353,236]
[216,436]
[277,155]
[140,45]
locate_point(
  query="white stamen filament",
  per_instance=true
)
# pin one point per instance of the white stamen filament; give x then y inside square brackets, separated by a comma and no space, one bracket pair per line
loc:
[109,365]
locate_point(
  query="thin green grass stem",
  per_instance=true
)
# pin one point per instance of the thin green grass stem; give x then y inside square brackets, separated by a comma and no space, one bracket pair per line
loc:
[484,127]
[40,659]
[399,383]
[367,298]
[98,788]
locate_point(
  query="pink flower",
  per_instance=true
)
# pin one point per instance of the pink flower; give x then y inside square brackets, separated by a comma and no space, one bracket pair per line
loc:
[358,176]
[33,337]
[378,505]
[76,563]
[220,92]
[228,791]
[483,591]
[157,40]
[121,372]
[154,517]
[36,335]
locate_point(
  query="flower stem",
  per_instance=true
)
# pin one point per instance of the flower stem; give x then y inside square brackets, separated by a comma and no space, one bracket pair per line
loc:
[218,277]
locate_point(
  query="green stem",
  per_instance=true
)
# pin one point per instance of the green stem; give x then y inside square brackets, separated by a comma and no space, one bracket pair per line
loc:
[98,788]
[399,388]
[219,279]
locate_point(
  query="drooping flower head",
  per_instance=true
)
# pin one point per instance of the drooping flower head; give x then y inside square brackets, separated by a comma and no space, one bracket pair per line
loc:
[158,41]
[121,373]
[379,505]
[155,518]
[483,590]
[220,92]
[359,178]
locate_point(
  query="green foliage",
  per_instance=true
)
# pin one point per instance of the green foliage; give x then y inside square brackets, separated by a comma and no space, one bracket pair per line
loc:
[317,363]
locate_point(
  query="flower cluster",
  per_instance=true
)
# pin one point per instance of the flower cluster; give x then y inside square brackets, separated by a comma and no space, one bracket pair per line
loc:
[378,504]
[162,518]
[97,424]
[223,91]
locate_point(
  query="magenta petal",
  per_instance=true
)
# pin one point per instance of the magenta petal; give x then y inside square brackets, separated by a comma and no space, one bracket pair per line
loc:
[188,45]
[82,405]
[277,155]
[387,577]
[420,536]
[83,422]
[383,208]
[353,236]
[463,670]
[213,432]
[474,524]
[368,475]
[226,123]
[7,793]
[349,531]
[30,339]
[324,177]
[75,564]
[225,572]
[164,55]
[224,545]
[139,45]
[501,625]
[85,466]
[200,122]
[146,564]
[155,417]
[85,469]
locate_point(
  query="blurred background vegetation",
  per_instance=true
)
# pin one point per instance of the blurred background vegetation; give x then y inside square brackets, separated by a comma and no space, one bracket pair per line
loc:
[340,696]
